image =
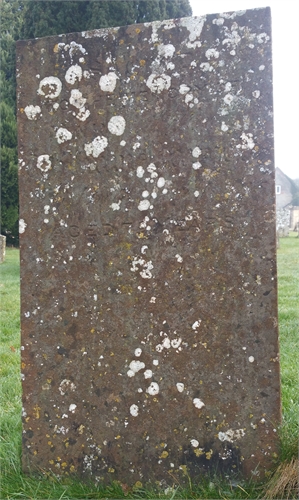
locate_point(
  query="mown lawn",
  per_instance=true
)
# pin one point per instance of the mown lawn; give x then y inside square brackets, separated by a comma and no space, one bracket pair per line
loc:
[15,485]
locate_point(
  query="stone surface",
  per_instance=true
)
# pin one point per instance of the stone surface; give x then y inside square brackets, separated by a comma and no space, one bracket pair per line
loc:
[147,229]
[2,248]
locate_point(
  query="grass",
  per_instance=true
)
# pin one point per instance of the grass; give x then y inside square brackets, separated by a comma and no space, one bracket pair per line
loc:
[15,485]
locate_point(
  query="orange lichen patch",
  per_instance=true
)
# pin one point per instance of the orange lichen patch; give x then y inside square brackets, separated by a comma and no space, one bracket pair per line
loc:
[142,62]
[56,48]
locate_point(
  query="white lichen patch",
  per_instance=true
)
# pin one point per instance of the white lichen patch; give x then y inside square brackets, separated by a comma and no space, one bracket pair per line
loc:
[32,112]
[251,359]
[148,374]
[194,25]
[218,20]
[138,352]
[157,83]
[256,93]
[175,343]
[184,89]
[83,114]
[161,182]
[63,135]
[136,365]
[247,141]
[198,403]
[144,205]
[153,389]
[96,147]
[115,206]
[166,343]
[22,226]
[75,48]
[66,385]
[224,127]
[74,74]
[212,54]
[196,165]
[196,324]
[76,99]
[134,410]
[44,163]
[230,435]
[140,172]
[50,87]
[180,386]
[117,125]
[228,99]
[166,51]
[196,152]
[72,408]
[194,443]
[206,67]
[108,82]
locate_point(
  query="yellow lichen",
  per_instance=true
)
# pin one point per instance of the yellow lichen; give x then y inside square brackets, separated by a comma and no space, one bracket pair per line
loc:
[184,469]
[37,411]
[198,452]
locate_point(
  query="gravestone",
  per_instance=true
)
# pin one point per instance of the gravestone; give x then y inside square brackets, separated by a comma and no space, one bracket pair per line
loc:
[2,248]
[147,229]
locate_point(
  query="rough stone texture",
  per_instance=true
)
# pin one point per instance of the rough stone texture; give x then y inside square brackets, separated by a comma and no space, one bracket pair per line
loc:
[2,248]
[149,314]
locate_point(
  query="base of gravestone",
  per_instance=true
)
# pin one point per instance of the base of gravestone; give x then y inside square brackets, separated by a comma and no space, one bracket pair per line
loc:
[2,248]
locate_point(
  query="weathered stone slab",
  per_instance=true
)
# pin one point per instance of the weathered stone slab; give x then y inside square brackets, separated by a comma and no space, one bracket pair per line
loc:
[2,248]
[149,303]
